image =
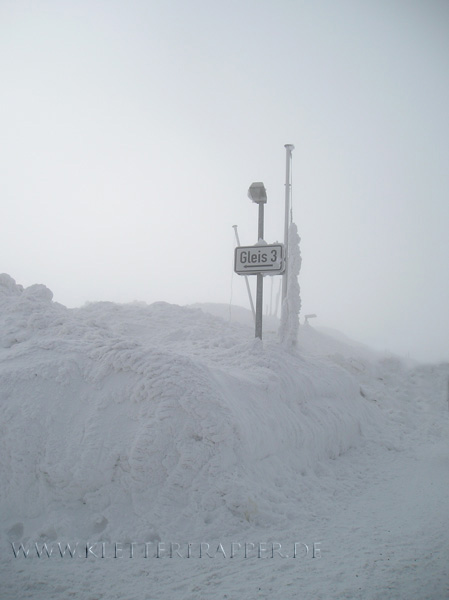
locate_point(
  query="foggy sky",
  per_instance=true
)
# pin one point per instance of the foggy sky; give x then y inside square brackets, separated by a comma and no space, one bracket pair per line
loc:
[131,132]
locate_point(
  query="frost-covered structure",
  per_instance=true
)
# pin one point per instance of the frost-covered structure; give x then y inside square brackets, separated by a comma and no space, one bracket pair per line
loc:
[291,306]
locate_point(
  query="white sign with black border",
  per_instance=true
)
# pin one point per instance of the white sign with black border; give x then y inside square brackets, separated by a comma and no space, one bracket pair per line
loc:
[261,259]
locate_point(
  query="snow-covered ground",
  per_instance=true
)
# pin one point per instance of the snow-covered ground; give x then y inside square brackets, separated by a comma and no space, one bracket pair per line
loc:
[163,426]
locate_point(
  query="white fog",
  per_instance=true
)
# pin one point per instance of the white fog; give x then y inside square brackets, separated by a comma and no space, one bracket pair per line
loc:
[131,133]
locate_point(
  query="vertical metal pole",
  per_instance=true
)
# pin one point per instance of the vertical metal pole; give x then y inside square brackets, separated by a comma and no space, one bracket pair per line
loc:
[260,227]
[259,293]
[259,301]
[248,289]
[289,148]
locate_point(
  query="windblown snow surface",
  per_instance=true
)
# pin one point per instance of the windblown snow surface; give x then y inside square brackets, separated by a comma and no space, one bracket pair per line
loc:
[173,429]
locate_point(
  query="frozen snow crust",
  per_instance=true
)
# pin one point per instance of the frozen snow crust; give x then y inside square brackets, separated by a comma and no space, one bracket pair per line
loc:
[158,422]
[135,423]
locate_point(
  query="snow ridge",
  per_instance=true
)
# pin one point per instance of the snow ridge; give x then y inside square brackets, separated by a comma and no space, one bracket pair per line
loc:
[135,420]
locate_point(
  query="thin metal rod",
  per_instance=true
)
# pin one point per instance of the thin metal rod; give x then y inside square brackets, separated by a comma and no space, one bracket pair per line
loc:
[259,292]
[248,289]
[289,148]
[259,302]
[260,233]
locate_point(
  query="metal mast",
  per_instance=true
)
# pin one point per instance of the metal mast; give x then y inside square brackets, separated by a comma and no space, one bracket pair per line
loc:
[288,190]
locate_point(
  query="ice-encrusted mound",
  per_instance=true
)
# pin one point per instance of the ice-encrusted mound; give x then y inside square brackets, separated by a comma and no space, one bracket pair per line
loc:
[140,422]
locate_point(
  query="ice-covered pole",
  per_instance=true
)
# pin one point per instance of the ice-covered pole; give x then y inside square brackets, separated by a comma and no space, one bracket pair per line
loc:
[291,306]
[288,187]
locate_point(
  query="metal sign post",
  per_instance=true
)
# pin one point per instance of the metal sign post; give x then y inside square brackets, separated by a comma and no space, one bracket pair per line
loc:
[261,259]
[258,194]
[259,292]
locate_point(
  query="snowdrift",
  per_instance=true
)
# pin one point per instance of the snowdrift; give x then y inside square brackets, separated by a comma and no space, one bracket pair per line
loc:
[142,422]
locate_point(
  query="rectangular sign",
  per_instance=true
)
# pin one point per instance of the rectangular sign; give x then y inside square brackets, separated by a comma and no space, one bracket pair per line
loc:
[255,260]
